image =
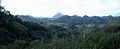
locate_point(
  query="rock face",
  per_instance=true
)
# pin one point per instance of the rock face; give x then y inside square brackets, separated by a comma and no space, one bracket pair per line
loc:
[57,15]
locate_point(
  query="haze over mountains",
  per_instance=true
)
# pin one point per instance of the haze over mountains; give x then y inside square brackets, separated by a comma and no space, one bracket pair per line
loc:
[57,15]
[60,18]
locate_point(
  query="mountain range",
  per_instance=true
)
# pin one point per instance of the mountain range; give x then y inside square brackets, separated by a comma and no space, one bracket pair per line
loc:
[59,17]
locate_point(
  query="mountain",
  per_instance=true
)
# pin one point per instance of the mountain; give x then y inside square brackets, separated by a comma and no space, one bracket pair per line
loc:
[60,18]
[38,17]
[86,20]
[29,18]
[57,15]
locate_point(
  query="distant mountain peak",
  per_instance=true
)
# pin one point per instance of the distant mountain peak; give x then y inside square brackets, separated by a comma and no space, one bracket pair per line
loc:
[57,15]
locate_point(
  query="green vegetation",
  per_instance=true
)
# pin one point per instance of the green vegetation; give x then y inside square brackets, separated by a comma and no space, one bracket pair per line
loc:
[63,33]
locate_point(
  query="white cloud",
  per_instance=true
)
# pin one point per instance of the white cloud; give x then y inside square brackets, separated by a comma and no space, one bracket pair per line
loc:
[48,8]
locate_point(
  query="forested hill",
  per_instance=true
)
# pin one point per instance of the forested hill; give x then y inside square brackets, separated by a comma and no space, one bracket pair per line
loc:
[12,28]
[87,20]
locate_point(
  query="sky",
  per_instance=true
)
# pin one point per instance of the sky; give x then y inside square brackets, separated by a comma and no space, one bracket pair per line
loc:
[48,8]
